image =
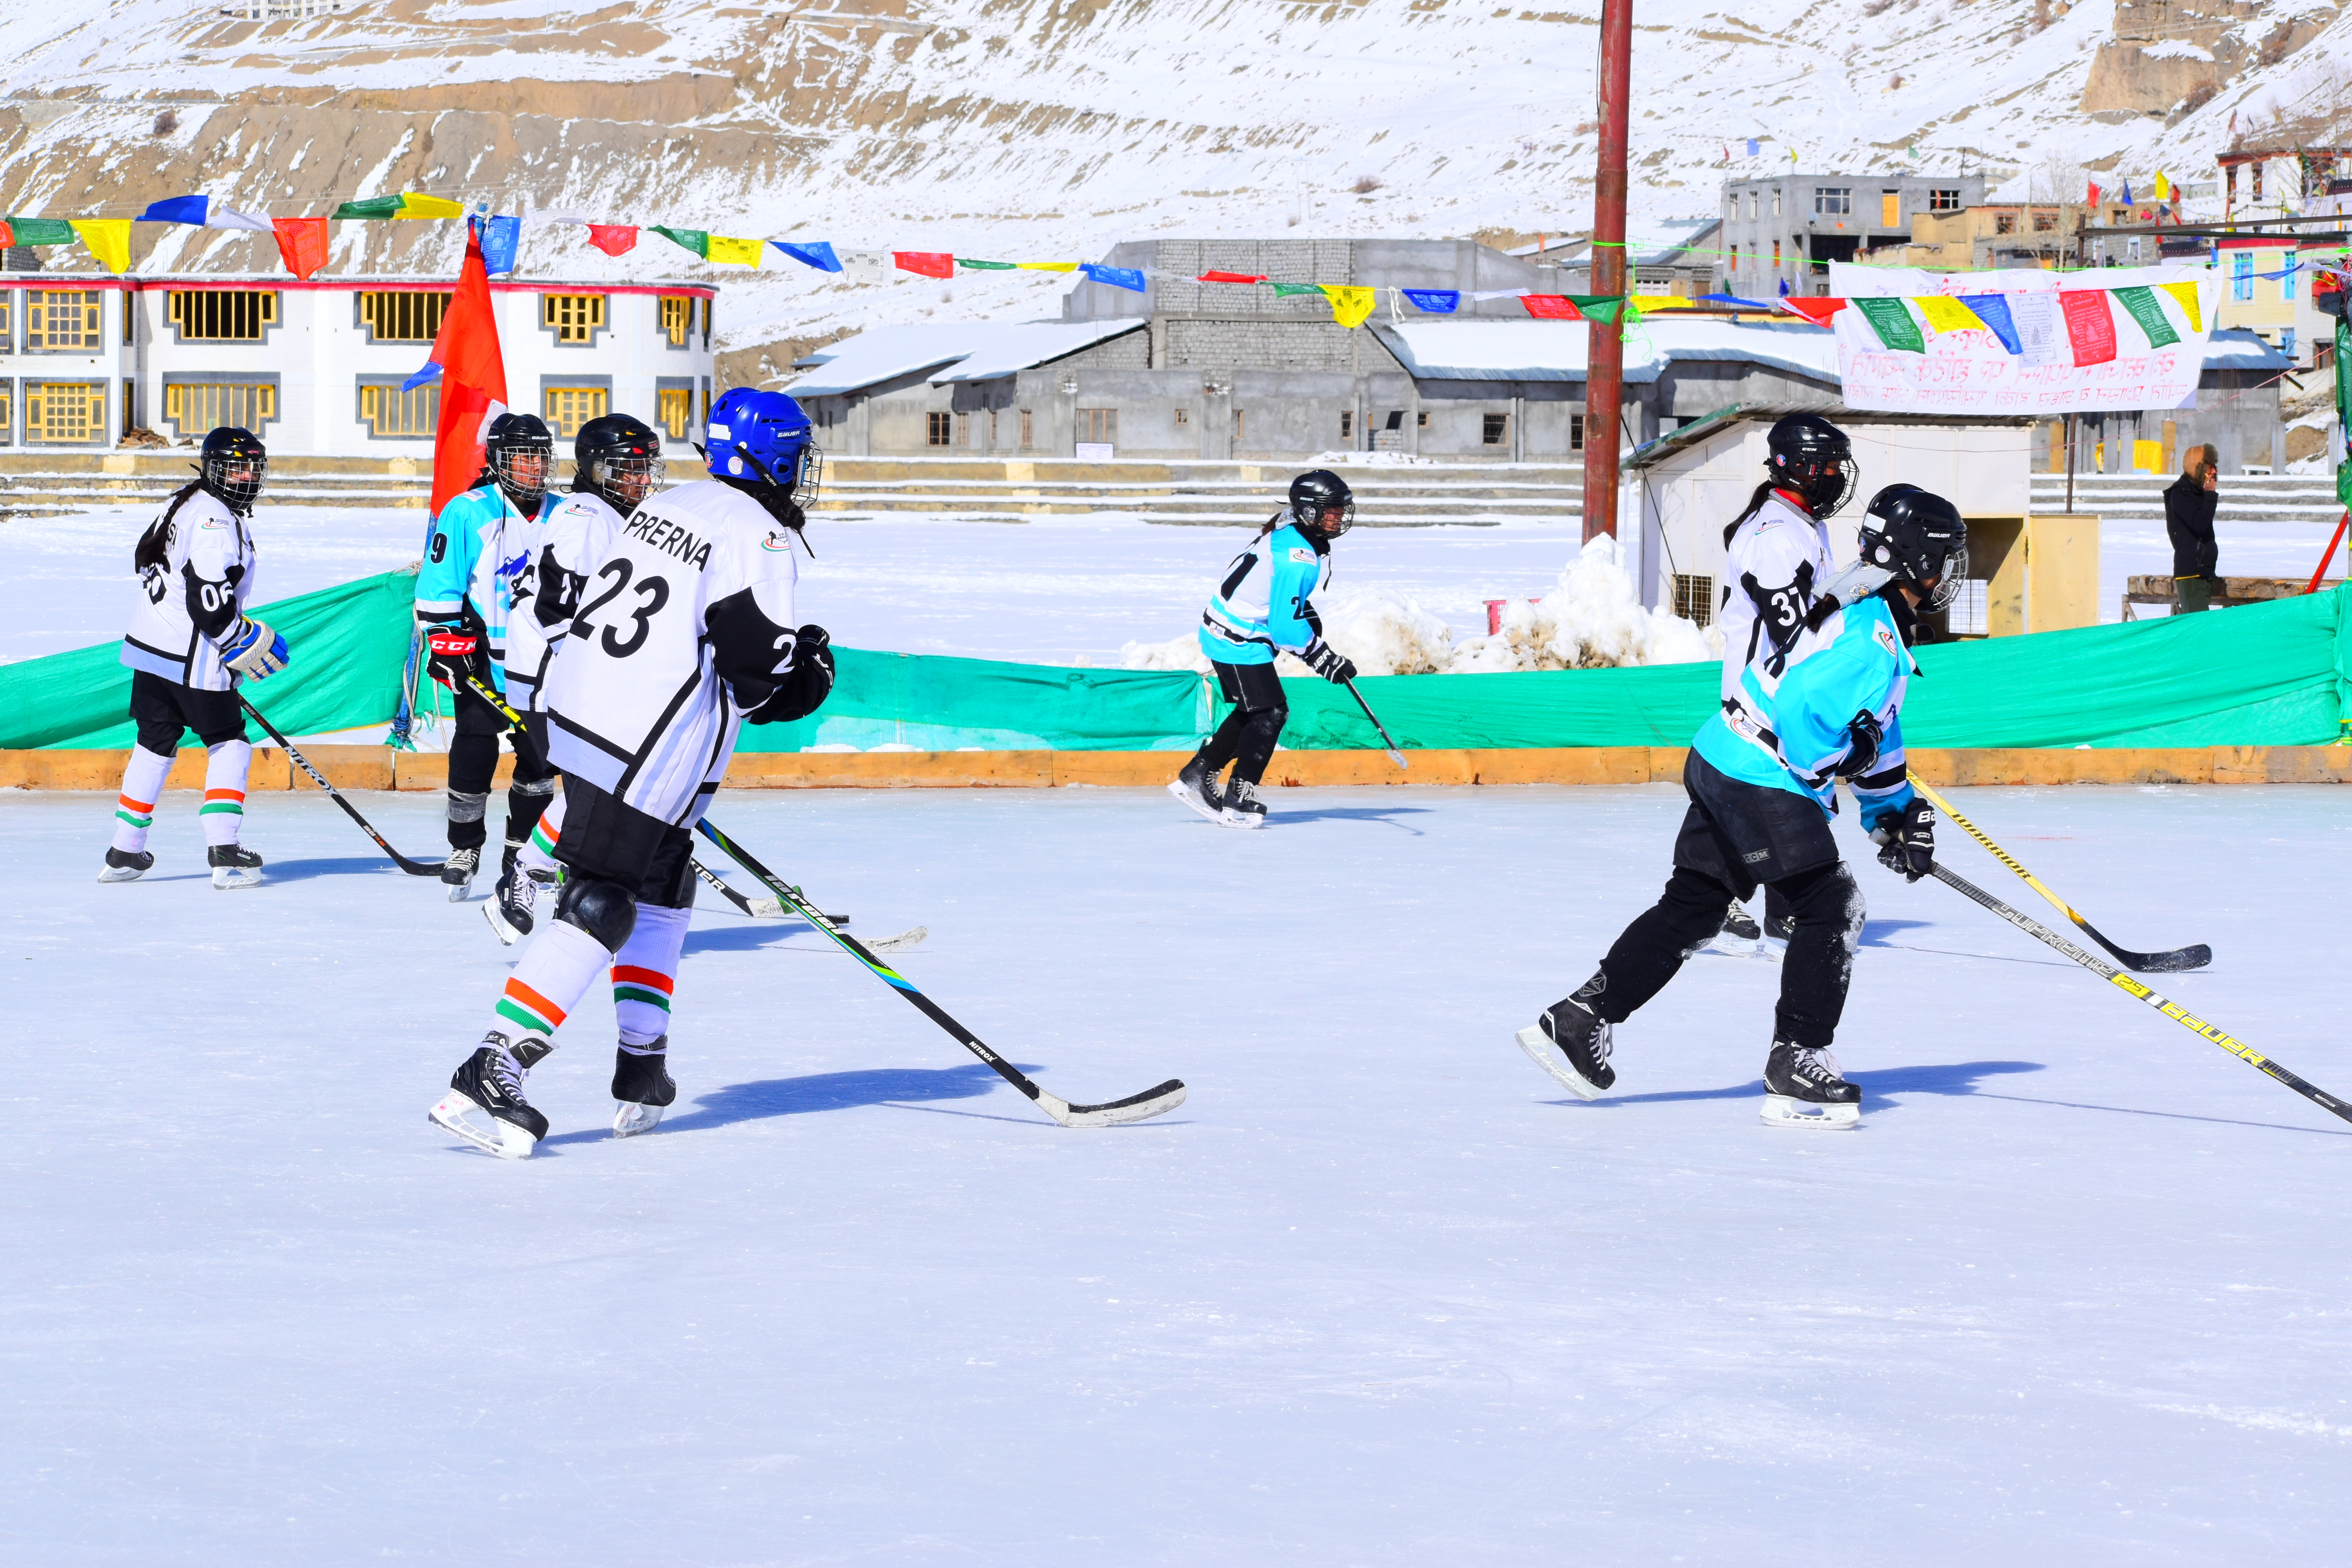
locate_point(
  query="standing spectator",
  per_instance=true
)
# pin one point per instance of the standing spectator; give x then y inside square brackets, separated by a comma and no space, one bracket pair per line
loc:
[2189,504]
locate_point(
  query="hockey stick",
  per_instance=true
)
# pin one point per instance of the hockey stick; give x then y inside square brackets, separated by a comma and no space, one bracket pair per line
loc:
[773,910]
[2170,962]
[414,868]
[1394,756]
[1135,1108]
[2125,982]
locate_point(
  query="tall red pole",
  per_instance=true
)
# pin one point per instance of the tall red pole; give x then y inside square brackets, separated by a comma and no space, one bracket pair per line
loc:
[1604,379]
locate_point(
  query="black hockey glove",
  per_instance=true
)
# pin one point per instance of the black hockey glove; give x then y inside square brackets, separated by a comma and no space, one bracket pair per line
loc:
[1906,840]
[455,652]
[1326,661]
[806,686]
[1863,736]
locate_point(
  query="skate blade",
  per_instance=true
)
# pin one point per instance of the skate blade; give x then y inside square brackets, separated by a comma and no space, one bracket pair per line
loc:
[460,892]
[457,1114]
[229,877]
[1772,948]
[120,874]
[1241,819]
[506,933]
[630,1119]
[1734,946]
[1787,1111]
[1202,808]
[1548,1056]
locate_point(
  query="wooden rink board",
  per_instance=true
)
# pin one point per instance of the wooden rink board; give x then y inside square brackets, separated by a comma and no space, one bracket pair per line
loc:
[379,767]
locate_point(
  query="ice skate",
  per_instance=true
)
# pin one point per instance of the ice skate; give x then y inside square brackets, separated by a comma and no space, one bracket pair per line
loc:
[126,865]
[1772,942]
[642,1088]
[1572,1043]
[233,866]
[511,902]
[1197,787]
[1242,807]
[457,872]
[1740,932]
[485,1104]
[1802,1088]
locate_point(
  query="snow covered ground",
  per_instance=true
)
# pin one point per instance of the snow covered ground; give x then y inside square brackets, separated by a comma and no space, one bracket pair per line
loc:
[1377,1294]
[1056,591]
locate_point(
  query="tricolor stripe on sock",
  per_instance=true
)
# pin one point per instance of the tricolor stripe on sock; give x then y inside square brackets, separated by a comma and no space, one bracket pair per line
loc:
[523,1005]
[631,984]
[541,841]
[138,813]
[217,800]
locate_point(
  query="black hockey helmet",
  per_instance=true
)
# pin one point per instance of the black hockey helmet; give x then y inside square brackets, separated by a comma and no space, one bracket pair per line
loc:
[1919,537]
[509,451]
[619,458]
[1807,454]
[233,467]
[1316,496]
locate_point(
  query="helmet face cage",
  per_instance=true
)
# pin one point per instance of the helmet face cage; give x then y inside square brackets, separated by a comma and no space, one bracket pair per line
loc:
[1827,483]
[625,481]
[811,476]
[523,467]
[1320,500]
[1947,583]
[237,478]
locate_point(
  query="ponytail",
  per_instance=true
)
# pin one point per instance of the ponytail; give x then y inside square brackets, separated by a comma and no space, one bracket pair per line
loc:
[1754,504]
[156,545]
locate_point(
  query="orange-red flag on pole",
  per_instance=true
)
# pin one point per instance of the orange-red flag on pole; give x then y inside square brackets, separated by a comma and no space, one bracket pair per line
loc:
[473,378]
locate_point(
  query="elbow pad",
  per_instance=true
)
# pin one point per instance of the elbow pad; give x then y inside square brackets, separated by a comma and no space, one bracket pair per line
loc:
[802,690]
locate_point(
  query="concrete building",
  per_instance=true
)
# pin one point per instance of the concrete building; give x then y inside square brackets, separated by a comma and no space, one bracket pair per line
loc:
[2237,410]
[316,368]
[1781,233]
[2003,235]
[1682,256]
[2267,290]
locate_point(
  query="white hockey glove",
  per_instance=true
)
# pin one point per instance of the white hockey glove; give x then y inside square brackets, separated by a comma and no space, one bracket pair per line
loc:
[254,651]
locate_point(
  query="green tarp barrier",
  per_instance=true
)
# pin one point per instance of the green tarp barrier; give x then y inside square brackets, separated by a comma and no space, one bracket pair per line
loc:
[2259,675]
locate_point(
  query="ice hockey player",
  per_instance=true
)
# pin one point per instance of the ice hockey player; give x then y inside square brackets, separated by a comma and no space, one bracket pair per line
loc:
[617,462]
[189,643]
[480,545]
[1259,610]
[1761,797]
[1777,563]
[685,634]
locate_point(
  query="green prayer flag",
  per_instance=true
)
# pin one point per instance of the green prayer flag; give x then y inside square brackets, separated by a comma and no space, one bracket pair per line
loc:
[2145,310]
[985,266]
[1598,307]
[1891,319]
[41,230]
[1284,289]
[698,240]
[375,206]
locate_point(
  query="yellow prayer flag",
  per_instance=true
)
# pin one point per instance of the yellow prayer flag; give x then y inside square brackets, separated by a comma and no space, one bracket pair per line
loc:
[2186,293]
[1946,314]
[1046,266]
[413,206]
[2163,186]
[1351,306]
[1661,302]
[109,239]
[741,252]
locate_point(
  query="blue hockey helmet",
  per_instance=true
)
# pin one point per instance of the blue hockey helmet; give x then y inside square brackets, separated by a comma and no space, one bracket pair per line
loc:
[755,435]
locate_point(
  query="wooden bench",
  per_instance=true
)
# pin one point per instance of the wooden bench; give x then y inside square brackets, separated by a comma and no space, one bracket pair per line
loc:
[2155,590]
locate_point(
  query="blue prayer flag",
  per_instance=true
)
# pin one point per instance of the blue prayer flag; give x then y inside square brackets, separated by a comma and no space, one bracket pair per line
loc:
[1442,301]
[1754,146]
[502,238]
[177,209]
[431,373]
[817,253]
[1993,311]
[1116,276]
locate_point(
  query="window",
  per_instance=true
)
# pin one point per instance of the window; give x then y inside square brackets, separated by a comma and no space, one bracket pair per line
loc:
[1776,256]
[1695,598]
[1735,259]
[223,315]
[963,430]
[2046,223]
[2286,341]
[1966,618]
[706,322]
[991,429]
[1833,200]
[390,413]
[61,320]
[193,407]
[1575,432]
[1421,420]
[2287,271]
[1028,438]
[2242,276]
[2004,222]
[566,408]
[1496,430]
[1241,422]
[1943,201]
[65,412]
[674,410]
[7,318]
[1183,417]
[677,318]
[1099,424]
[2258,182]
[942,429]
[1347,424]
[1751,204]
[1776,201]
[1890,209]
[575,318]
[402,316]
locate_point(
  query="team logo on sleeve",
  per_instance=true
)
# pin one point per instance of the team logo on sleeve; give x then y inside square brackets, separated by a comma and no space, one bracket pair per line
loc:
[1301,556]
[777,539]
[1885,636]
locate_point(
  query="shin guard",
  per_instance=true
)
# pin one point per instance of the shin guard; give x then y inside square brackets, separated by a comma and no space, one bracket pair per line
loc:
[143,786]
[561,962]
[644,974]
[223,813]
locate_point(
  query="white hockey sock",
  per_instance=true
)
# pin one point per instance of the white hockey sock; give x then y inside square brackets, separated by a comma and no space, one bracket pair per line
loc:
[556,971]
[644,973]
[223,812]
[539,852]
[143,786]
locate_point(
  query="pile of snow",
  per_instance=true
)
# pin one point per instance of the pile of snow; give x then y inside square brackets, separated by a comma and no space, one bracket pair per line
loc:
[1387,632]
[1177,653]
[1592,620]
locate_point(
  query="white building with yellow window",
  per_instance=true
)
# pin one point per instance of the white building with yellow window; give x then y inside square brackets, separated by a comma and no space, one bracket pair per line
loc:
[315,368]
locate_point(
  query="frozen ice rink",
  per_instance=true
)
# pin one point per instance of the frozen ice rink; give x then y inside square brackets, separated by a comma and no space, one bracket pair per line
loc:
[2076,1292]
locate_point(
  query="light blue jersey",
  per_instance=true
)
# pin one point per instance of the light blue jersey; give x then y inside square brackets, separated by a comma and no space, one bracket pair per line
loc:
[1860,666]
[1260,606]
[480,544]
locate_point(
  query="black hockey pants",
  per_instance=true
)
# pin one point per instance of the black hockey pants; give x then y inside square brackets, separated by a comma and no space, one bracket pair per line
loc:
[474,762]
[1247,737]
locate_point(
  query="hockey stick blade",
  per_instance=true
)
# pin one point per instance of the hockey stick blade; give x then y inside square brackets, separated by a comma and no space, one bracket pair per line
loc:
[414,868]
[1386,738]
[1135,1108]
[773,910]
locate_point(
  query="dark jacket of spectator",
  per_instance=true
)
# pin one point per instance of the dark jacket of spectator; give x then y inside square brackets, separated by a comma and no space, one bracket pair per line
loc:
[2188,519]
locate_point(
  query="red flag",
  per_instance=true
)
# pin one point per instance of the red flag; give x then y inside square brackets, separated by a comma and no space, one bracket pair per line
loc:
[1231,278]
[473,379]
[1814,308]
[8,234]
[301,244]
[2096,193]
[613,238]
[1552,307]
[2089,328]
[929,263]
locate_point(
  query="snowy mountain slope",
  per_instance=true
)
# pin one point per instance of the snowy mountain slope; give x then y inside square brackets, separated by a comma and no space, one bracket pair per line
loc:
[1039,128]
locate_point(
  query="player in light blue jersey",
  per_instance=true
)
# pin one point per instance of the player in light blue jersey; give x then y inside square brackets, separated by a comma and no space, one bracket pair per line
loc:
[1761,796]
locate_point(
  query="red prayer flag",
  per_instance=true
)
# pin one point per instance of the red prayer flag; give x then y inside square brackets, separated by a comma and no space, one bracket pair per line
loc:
[2089,326]
[1229,278]
[7,233]
[473,378]
[1814,307]
[1552,307]
[613,238]
[929,263]
[301,244]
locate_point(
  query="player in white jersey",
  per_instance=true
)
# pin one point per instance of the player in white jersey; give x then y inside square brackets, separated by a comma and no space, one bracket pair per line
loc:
[189,642]
[683,634]
[617,462]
